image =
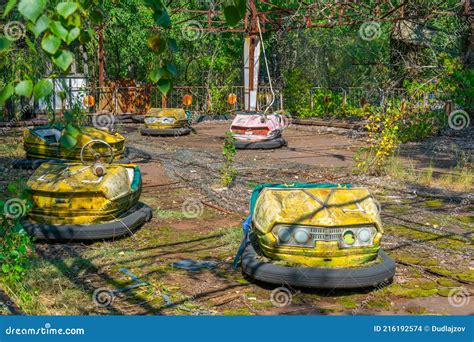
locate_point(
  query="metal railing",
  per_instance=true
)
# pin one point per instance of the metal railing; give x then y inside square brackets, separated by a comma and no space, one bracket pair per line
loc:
[138,99]
[376,97]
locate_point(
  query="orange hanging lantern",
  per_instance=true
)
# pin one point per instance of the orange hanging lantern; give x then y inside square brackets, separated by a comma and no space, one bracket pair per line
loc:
[89,101]
[187,100]
[231,99]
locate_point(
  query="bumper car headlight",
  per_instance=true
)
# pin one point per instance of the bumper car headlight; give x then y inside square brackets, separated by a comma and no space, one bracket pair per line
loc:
[301,236]
[151,120]
[167,120]
[293,235]
[284,235]
[364,235]
[348,237]
[361,236]
[309,236]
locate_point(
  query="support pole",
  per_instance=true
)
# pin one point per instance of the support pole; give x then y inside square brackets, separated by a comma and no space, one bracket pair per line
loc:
[101,56]
[251,59]
[251,71]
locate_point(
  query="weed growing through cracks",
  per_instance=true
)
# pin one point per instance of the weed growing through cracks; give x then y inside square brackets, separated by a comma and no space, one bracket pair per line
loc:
[228,172]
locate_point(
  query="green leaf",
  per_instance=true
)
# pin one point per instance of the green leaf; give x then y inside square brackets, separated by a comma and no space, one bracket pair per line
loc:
[156,74]
[12,188]
[41,25]
[42,88]
[6,93]
[96,17]
[30,44]
[72,35]
[68,141]
[64,60]
[58,29]
[31,9]
[68,116]
[232,15]
[84,38]
[172,69]
[74,20]
[50,43]
[24,88]
[18,268]
[72,130]
[22,249]
[173,45]
[242,6]
[164,86]
[65,9]
[162,18]
[156,43]
[9,7]
[5,268]
[4,44]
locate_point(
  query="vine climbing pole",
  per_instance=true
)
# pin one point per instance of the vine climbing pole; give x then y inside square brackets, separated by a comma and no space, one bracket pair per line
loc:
[251,59]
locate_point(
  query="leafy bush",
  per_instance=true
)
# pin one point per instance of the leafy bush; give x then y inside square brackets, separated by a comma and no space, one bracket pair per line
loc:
[228,172]
[383,131]
[15,243]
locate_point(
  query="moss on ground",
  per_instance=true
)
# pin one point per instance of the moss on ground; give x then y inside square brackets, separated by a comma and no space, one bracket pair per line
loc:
[410,291]
[448,282]
[434,203]
[237,312]
[348,302]
[379,303]
[417,310]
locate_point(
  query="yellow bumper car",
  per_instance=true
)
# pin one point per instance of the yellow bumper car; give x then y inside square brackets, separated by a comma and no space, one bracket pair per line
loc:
[43,144]
[85,201]
[166,122]
[315,236]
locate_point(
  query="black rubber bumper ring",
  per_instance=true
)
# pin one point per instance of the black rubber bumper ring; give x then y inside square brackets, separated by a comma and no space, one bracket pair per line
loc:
[168,132]
[261,145]
[125,225]
[318,277]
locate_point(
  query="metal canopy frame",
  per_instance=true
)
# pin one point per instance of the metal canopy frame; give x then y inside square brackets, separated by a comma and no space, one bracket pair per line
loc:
[317,14]
[307,14]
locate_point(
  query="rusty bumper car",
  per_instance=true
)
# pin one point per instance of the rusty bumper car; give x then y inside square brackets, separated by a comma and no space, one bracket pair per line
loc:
[85,201]
[314,236]
[166,122]
[254,131]
[43,143]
